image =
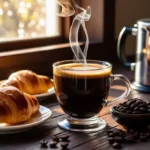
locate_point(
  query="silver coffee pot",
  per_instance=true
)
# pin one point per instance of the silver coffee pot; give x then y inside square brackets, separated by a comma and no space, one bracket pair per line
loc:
[142,65]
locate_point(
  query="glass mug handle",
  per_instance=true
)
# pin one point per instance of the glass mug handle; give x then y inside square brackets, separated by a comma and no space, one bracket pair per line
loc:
[127,83]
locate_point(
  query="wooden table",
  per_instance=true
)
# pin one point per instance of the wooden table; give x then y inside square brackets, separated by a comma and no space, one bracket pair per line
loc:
[30,140]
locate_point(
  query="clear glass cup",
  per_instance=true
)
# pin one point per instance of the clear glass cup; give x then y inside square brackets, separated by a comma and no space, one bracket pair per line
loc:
[82,91]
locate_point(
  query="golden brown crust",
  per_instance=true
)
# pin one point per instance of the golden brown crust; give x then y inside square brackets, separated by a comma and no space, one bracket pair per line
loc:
[15,106]
[29,82]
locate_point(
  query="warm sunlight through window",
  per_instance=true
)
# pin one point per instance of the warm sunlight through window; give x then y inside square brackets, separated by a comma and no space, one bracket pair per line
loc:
[28,18]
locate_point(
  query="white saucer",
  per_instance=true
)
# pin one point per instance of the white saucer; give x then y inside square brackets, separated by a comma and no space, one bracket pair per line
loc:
[41,116]
[43,96]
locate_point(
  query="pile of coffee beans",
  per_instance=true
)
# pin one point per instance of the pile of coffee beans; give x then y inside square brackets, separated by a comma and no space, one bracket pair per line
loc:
[117,137]
[134,106]
[62,140]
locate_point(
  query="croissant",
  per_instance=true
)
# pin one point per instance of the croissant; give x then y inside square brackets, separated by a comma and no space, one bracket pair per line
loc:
[29,82]
[15,106]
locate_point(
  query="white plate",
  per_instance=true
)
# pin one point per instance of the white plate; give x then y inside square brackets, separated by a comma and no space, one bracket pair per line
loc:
[38,118]
[43,96]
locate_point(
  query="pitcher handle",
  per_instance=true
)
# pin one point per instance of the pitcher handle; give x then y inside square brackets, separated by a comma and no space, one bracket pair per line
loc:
[121,45]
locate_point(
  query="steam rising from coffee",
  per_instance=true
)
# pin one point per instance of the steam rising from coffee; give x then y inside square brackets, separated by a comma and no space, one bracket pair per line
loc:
[68,9]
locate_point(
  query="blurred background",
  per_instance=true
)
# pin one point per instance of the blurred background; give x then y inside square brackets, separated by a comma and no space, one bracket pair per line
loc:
[28,18]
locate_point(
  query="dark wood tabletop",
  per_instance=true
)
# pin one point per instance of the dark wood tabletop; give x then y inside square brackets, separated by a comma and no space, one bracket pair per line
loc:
[30,140]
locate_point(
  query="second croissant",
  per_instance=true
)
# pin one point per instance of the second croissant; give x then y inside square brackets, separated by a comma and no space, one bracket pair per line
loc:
[29,82]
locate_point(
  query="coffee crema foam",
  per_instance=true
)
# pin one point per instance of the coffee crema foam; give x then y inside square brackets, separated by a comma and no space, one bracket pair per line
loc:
[76,69]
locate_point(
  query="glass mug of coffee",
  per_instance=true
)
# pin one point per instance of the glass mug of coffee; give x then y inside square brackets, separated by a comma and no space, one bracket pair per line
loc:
[82,91]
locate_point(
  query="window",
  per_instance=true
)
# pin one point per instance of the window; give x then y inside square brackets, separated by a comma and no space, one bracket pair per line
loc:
[29,23]
[28,19]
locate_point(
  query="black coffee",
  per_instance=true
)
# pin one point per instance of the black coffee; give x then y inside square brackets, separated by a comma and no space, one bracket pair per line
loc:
[81,91]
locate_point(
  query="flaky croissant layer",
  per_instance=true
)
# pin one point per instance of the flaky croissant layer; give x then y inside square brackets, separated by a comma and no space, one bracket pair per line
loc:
[29,82]
[16,106]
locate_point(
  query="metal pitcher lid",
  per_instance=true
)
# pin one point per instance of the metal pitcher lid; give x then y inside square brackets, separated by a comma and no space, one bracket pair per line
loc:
[145,22]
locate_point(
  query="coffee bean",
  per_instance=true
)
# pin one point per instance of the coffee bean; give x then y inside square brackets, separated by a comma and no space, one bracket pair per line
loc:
[143,105]
[129,103]
[43,143]
[130,131]
[137,112]
[149,110]
[55,138]
[111,134]
[138,103]
[64,137]
[121,110]
[64,144]
[148,134]
[143,109]
[111,140]
[122,133]
[136,135]
[116,145]
[142,133]
[53,144]
[129,112]
[133,105]
[129,138]
[118,138]
[116,132]
[143,138]
[125,109]
[109,131]
[137,108]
